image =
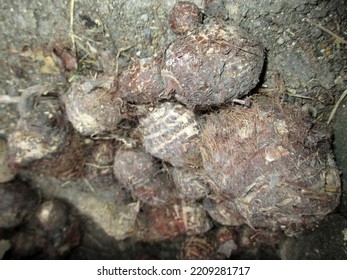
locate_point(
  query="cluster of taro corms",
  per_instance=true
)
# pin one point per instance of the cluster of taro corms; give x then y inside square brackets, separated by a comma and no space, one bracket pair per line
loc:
[191,160]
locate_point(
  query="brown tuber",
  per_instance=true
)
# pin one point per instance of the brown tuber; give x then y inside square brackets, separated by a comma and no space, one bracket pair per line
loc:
[211,66]
[58,229]
[171,133]
[98,168]
[197,248]
[92,107]
[141,83]
[138,172]
[270,166]
[219,243]
[185,16]
[179,218]
[190,183]
[44,141]
[222,211]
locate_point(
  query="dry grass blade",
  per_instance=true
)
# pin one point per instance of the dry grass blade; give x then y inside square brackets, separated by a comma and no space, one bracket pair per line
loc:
[342,40]
[72,35]
[7,99]
[118,55]
[333,112]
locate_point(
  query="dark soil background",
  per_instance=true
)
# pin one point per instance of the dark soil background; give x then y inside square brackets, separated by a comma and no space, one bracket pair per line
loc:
[305,42]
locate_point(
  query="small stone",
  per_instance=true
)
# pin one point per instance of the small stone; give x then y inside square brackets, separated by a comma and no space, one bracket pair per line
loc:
[280,41]
[144,17]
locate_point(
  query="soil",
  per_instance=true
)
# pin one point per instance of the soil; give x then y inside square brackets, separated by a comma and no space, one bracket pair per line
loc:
[306,55]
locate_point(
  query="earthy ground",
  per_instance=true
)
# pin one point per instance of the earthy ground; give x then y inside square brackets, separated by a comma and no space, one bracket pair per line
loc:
[306,48]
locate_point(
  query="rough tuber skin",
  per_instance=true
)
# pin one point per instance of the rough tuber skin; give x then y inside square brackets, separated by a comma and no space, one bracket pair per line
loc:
[223,212]
[92,107]
[190,183]
[185,16]
[179,218]
[211,66]
[98,168]
[197,248]
[171,133]
[138,172]
[268,167]
[141,83]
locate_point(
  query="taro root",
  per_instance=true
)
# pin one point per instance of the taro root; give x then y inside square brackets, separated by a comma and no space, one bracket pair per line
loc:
[138,172]
[92,107]
[197,248]
[6,172]
[184,16]
[98,168]
[190,183]
[53,215]
[58,229]
[141,83]
[180,218]
[41,130]
[271,167]
[17,202]
[171,132]
[223,211]
[226,240]
[219,243]
[211,66]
